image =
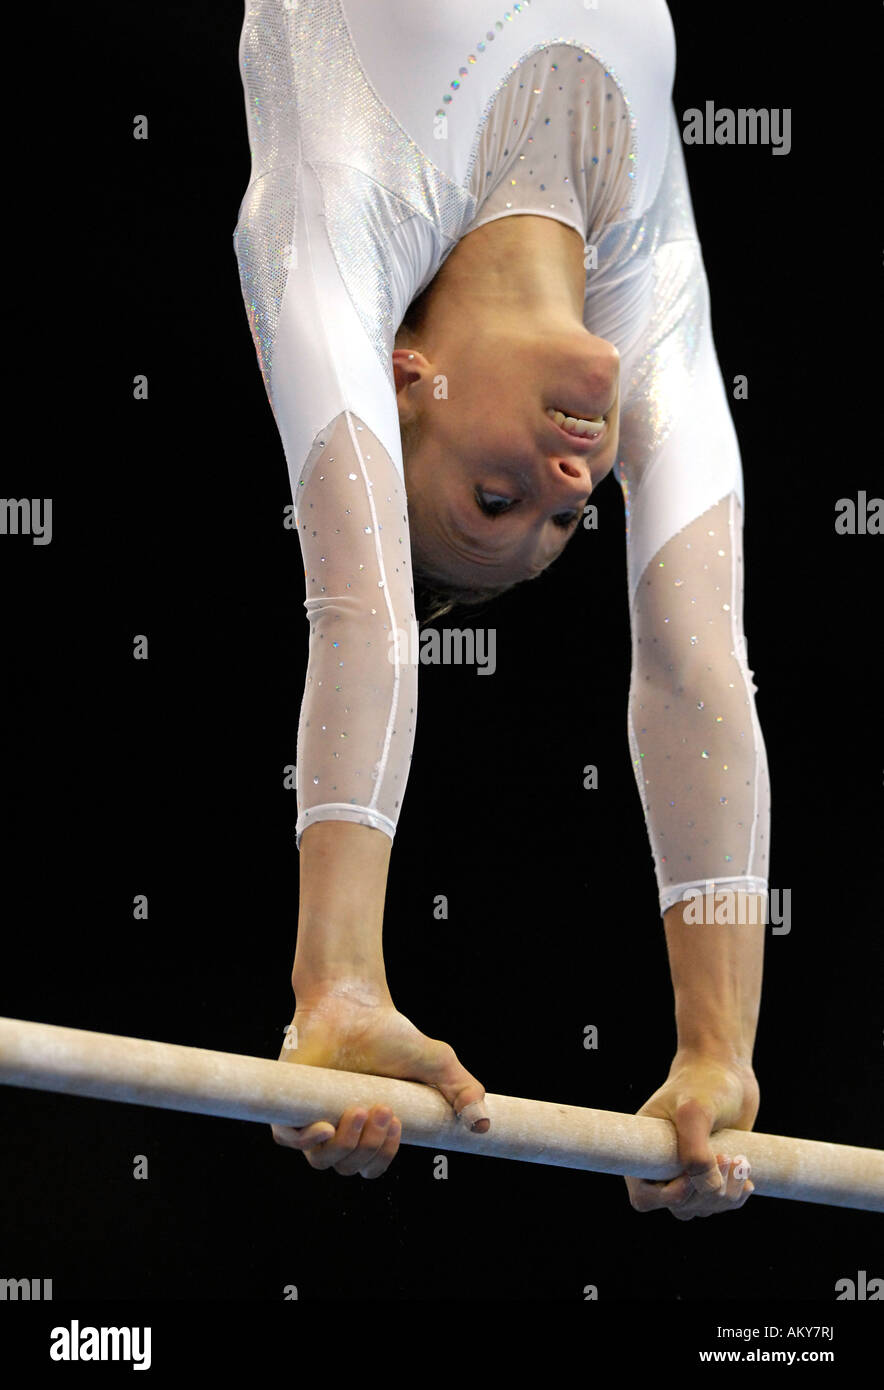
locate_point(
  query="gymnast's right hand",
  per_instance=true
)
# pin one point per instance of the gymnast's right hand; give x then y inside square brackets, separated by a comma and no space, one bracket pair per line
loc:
[348,1030]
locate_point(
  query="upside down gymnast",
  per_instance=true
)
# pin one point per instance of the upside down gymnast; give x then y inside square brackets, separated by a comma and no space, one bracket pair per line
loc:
[470,265]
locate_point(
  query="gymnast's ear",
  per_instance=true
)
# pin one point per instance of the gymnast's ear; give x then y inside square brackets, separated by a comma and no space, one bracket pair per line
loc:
[408,367]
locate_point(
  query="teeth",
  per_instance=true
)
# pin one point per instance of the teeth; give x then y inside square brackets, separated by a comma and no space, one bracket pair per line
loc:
[578,425]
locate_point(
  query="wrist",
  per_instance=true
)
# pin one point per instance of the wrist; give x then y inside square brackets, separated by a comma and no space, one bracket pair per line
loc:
[711,1026]
[728,1051]
[342,980]
[716,980]
[343,874]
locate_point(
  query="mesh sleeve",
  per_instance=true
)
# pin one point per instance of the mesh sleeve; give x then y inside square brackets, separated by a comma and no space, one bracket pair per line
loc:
[698,753]
[319,333]
[357,722]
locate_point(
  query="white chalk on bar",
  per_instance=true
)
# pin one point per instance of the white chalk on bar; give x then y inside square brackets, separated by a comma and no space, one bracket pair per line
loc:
[48,1058]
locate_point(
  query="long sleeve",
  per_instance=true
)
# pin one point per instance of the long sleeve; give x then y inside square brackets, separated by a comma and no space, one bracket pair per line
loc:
[697,749]
[357,723]
[357,720]
[313,244]
[698,752]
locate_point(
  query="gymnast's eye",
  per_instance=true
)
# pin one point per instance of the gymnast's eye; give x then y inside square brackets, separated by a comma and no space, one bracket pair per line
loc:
[492,504]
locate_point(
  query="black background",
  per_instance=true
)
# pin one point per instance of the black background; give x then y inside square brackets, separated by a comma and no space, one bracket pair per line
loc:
[164,777]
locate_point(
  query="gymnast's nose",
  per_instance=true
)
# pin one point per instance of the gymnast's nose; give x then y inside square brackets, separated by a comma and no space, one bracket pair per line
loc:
[568,480]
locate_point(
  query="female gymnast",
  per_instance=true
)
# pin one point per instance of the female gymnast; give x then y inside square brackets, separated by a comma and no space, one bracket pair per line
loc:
[470,265]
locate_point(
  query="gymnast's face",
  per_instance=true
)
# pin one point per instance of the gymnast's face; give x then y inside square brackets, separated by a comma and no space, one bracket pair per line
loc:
[496,488]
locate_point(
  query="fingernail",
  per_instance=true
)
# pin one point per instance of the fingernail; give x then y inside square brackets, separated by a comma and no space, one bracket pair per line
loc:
[383,1117]
[321,1135]
[360,1117]
[473,1112]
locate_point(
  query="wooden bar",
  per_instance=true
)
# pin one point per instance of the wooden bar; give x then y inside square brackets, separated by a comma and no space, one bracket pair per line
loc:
[136,1071]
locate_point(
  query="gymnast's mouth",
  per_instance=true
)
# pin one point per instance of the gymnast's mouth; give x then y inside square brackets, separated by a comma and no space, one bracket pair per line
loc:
[580,429]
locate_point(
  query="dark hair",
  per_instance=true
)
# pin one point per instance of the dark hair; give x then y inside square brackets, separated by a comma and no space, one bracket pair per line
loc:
[435,597]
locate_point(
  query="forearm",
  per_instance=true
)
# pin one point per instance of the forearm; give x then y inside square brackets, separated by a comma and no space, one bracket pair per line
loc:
[343,884]
[716,975]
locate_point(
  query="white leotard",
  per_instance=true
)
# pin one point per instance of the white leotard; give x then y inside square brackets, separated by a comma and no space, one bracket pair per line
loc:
[381,132]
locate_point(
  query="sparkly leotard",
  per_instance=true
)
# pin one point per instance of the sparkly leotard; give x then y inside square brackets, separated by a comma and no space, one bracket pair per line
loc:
[381,132]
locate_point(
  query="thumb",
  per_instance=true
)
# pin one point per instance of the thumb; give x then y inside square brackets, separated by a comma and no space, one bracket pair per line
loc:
[693,1126]
[463,1091]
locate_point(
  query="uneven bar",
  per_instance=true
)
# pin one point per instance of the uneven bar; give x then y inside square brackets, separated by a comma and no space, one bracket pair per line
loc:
[45,1057]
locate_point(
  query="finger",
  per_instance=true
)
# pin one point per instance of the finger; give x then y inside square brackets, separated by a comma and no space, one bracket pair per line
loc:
[647,1195]
[677,1195]
[342,1143]
[733,1185]
[735,1174]
[686,1200]
[372,1138]
[705,1199]
[460,1088]
[735,1203]
[738,1188]
[386,1153]
[305,1138]
[734,1192]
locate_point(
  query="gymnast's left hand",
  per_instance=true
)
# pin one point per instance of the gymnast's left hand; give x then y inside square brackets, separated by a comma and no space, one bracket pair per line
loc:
[701,1094]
